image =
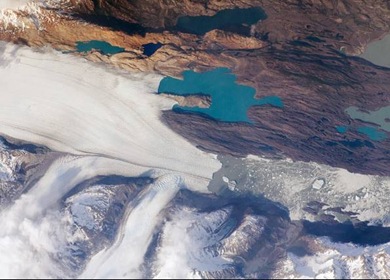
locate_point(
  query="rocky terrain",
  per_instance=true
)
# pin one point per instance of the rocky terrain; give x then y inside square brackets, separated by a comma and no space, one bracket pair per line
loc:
[300,52]
[94,211]
[21,165]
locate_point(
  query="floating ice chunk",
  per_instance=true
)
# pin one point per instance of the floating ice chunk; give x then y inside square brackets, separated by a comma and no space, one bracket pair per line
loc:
[318,183]
[230,183]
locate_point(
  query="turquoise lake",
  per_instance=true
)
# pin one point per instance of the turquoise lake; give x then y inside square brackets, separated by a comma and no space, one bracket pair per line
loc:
[341,129]
[380,117]
[372,133]
[101,46]
[225,19]
[229,101]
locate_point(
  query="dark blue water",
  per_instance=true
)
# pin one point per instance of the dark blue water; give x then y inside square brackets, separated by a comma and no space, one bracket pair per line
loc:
[357,143]
[31,148]
[229,101]
[230,20]
[361,233]
[101,46]
[113,23]
[150,49]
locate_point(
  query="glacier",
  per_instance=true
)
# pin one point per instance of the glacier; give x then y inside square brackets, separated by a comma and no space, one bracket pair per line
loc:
[100,122]
[73,106]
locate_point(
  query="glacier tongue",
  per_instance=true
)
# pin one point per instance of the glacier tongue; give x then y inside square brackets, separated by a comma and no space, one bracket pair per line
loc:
[100,123]
[72,106]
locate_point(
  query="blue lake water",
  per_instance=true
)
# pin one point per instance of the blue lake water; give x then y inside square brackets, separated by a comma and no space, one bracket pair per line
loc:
[341,129]
[224,20]
[151,48]
[380,117]
[372,133]
[229,101]
[101,46]
[378,52]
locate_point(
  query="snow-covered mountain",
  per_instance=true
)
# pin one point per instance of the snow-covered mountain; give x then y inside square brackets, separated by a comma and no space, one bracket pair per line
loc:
[152,229]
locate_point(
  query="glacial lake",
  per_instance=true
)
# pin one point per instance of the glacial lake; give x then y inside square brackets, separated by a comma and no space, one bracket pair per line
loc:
[372,133]
[225,20]
[341,129]
[151,48]
[380,117]
[378,52]
[229,101]
[101,46]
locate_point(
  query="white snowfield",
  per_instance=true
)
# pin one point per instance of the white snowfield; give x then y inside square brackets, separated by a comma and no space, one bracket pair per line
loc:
[74,106]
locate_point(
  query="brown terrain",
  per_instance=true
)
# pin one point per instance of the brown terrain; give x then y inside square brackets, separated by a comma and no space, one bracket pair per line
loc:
[302,52]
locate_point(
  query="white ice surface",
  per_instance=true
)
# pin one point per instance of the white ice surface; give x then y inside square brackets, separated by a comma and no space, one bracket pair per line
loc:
[110,124]
[73,106]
